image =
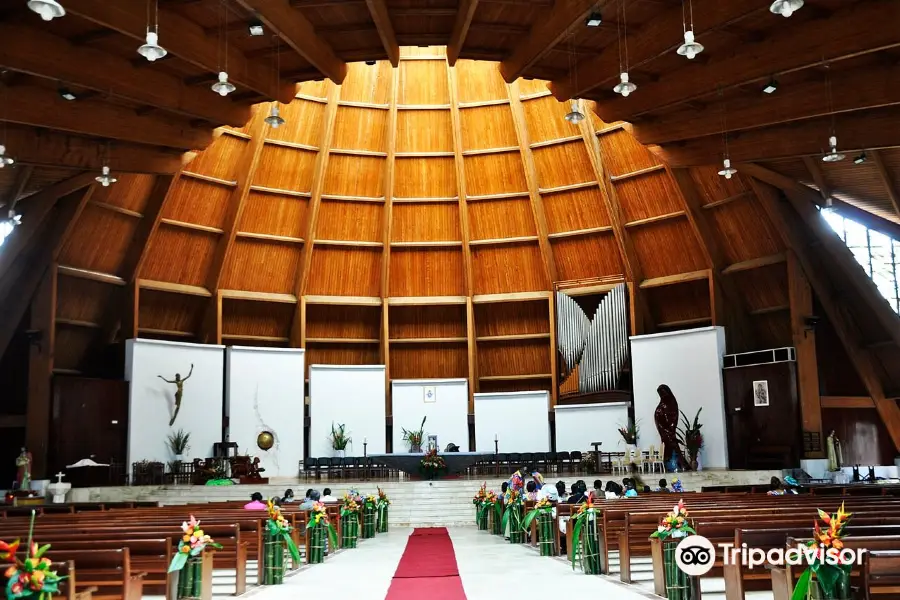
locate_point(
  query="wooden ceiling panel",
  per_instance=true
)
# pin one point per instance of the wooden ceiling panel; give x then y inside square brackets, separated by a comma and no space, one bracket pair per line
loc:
[342,354]
[523,357]
[712,187]
[164,311]
[495,174]
[131,192]
[415,222]
[479,81]
[432,272]
[303,120]
[180,255]
[82,299]
[424,131]
[667,248]
[423,82]
[500,219]
[429,361]
[425,178]
[285,168]
[247,317]
[410,322]
[359,221]
[345,271]
[116,231]
[563,164]
[512,318]
[763,288]
[743,231]
[546,119]
[622,154]
[678,306]
[262,266]
[506,269]
[575,210]
[488,127]
[198,202]
[350,322]
[648,196]
[354,176]
[367,83]
[360,129]
[274,214]
[587,257]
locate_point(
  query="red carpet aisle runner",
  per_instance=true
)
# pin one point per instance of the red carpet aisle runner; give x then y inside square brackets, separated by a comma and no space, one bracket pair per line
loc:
[427,568]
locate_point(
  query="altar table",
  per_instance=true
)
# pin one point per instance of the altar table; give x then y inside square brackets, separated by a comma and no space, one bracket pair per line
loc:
[457,462]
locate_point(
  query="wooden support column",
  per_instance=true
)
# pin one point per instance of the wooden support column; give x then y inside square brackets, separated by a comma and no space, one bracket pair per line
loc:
[130,323]
[642,320]
[386,234]
[40,369]
[804,339]
[462,193]
[334,94]
[786,222]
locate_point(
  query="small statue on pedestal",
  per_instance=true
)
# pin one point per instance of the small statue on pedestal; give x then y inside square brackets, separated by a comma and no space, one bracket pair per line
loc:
[23,470]
[833,447]
[666,417]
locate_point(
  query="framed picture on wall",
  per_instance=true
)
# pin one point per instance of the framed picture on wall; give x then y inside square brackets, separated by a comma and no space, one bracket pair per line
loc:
[429,394]
[760,393]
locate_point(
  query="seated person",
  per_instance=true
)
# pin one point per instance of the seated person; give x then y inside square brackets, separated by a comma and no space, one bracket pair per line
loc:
[791,486]
[311,499]
[503,487]
[327,497]
[256,502]
[276,501]
[677,487]
[549,493]
[613,490]
[531,491]
[776,488]
[579,490]
[306,496]
[598,488]
[561,490]
[288,496]
[630,491]
[662,486]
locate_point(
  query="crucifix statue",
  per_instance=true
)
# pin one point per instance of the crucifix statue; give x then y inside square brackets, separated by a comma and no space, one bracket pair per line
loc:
[179,391]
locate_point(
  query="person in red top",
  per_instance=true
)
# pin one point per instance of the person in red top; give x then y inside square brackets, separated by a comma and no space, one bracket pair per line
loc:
[256,502]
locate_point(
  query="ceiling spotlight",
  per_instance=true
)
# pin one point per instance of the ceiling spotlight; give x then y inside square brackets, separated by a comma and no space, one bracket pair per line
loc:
[152,50]
[786,8]
[105,179]
[833,155]
[66,94]
[594,19]
[575,116]
[371,63]
[7,225]
[256,28]
[727,170]
[860,159]
[690,48]
[4,159]
[48,9]
[771,86]
[223,87]
[625,87]
[274,119]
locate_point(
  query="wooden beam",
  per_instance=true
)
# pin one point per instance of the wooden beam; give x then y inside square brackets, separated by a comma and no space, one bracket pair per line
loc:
[298,33]
[846,402]
[642,320]
[464,15]
[36,52]
[173,288]
[728,308]
[848,30]
[234,208]
[39,207]
[549,30]
[857,131]
[818,177]
[55,149]
[784,222]
[675,279]
[19,285]
[40,370]
[258,296]
[803,200]
[886,180]
[804,340]
[531,177]
[23,175]
[859,89]
[754,263]
[186,40]
[387,233]
[89,275]
[42,107]
[312,216]
[652,40]
[382,19]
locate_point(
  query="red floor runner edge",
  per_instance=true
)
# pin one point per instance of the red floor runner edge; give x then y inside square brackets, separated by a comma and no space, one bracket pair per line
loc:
[427,568]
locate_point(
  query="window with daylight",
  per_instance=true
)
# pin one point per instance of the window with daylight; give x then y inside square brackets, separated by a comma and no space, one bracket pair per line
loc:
[876,252]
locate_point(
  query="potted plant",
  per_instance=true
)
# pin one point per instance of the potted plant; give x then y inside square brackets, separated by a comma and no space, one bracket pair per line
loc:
[669,533]
[339,439]
[827,578]
[630,434]
[690,438]
[178,442]
[414,438]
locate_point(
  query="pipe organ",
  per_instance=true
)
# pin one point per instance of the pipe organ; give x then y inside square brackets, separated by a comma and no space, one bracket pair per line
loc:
[594,351]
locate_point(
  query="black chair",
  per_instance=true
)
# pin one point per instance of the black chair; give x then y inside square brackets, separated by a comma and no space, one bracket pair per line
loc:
[515,461]
[325,464]
[501,461]
[576,461]
[311,467]
[349,466]
[552,461]
[540,461]
[562,460]
[528,459]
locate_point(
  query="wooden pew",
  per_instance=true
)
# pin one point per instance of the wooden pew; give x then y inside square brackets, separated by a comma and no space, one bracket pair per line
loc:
[66,570]
[107,574]
[881,574]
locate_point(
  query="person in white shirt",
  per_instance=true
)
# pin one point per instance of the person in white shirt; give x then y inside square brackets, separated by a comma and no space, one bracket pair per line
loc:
[327,497]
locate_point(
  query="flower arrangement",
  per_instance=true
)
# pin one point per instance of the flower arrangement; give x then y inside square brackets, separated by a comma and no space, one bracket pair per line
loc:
[318,525]
[690,438]
[414,438]
[481,507]
[630,433]
[543,512]
[674,524]
[187,558]
[277,535]
[515,503]
[339,438]
[432,463]
[370,516]
[349,521]
[586,518]
[480,495]
[382,504]
[32,576]
[831,575]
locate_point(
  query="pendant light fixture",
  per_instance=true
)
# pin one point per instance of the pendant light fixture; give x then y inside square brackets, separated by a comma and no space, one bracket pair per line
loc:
[625,87]
[105,178]
[4,159]
[152,50]
[786,8]
[575,115]
[833,155]
[8,224]
[222,86]
[727,170]
[48,9]
[274,119]
[689,48]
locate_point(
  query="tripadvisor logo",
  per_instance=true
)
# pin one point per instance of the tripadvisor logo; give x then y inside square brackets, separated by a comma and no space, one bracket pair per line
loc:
[695,556]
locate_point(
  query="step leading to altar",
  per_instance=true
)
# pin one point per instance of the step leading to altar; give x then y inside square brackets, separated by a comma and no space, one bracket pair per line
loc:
[416,503]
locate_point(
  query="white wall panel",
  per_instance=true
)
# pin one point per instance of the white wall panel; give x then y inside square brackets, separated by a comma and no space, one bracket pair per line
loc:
[264,392]
[447,411]
[579,425]
[350,394]
[519,420]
